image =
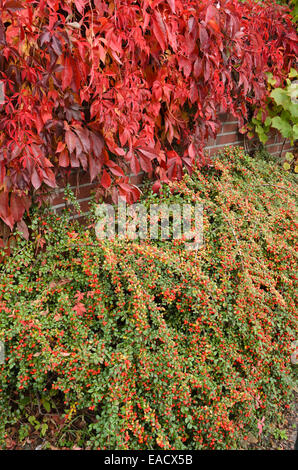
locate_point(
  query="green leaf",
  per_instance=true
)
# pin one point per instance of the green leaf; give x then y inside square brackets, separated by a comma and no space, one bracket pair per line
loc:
[270,79]
[293,109]
[280,97]
[259,115]
[293,73]
[44,428]
[289,156]
[46,405]
[262,135]
[283,126]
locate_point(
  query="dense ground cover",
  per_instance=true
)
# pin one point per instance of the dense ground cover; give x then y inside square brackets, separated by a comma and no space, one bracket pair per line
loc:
[118,87]
[144,345]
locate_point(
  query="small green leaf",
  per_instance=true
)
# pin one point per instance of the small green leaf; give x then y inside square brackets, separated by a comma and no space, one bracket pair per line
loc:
[44,428]
[270,79]
[46,405]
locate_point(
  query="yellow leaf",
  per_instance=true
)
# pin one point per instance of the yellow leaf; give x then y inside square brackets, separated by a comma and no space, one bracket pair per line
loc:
[289,156]
[287,166]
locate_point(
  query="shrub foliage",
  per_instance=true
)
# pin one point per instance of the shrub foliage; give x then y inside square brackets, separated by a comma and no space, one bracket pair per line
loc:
[144,345]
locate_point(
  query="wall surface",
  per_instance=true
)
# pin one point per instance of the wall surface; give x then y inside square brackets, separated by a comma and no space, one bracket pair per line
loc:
[229,135]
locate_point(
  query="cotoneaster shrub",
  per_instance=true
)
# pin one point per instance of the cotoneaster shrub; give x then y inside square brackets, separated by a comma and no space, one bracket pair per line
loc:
[144,345]
[114,88]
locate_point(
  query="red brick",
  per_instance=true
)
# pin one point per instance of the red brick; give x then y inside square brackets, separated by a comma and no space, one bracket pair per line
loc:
[229,127]
[274,148]
[226,117]
[84,206]
[211,142]
[57,199]
[85,191]
[273,139]
[75,178]
[227,139]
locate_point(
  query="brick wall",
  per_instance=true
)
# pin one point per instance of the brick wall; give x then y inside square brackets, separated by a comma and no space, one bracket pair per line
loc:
[229,135]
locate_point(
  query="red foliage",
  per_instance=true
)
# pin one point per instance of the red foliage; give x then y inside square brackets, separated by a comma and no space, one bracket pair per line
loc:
[119,87]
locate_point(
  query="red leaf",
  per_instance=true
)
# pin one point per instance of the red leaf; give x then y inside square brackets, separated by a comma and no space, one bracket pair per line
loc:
[193,92]
[135,194]
[173,158]
[80,295]
[80,308]
[14,5]
[49,177]
[134,164]
[2,173]
[105,180]
[56,45]
[186,65]
[120,151]
[197,67]
[74,161]
[4,207]
[80,4]
[212,14]
[22,227]
[94,167]
[84,138]
[159,29]
[214,26]
[35,179]
[71,140]
[5,213]
[191,151]
[145,164]
[148,152]
[60,147]
[64,159]
[17,207]
[67,73]
[156,187]
[172,5]
[97,144]
[204,38]
[114,168]
[27,203]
